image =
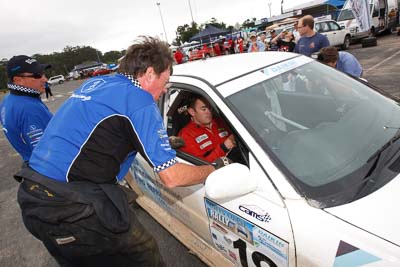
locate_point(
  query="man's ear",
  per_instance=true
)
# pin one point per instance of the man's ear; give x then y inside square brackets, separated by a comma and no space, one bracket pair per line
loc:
[147,77]
[150,74]
[190,111]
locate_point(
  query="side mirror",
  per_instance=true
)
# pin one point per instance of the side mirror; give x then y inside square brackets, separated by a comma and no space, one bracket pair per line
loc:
[229,182]
[342,27]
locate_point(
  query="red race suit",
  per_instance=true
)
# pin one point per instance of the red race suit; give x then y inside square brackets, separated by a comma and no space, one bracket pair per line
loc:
[203,142]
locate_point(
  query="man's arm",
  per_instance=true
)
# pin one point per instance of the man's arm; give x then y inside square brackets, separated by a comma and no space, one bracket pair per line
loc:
[182,174]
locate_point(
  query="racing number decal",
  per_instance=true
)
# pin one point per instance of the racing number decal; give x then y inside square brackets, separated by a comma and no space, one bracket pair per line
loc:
[242,242]
[256,256]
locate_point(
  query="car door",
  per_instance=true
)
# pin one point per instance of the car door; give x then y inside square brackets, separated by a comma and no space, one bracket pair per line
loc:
[324,29]
[337,32]
[247,229]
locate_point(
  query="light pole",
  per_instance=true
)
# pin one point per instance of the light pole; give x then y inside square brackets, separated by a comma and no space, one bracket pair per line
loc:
[162,21]
[269,6]
[191,14]
[282,7]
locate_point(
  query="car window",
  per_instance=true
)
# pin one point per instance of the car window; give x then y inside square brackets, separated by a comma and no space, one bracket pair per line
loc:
[320,124]
[176,105]
[325,27]
[318,27]
[334,26]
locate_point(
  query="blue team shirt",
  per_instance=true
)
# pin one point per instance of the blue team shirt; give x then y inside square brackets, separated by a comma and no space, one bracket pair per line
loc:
[97,132]
[349,64]
[24,119]
[308,45]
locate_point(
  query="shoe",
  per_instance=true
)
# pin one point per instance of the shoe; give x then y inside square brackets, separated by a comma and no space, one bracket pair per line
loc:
[52,99]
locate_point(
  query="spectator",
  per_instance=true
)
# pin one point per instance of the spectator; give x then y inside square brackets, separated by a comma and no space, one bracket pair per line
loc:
[70,198]
[178,56]
[310,41]
[295,32]
[263,40]
[284,41]
[239,43]
[48,91]
[23,114]
[205,137]
[273,47]
[254,44]
[217,50]
[341,60]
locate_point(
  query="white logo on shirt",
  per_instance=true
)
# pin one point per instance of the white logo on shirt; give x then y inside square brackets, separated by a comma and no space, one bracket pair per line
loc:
[206,144]
[201,138]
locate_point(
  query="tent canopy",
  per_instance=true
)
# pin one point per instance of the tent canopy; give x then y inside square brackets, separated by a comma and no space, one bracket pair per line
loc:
[210,31]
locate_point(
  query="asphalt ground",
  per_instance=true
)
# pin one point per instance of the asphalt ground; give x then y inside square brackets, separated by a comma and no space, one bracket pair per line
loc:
[18,247]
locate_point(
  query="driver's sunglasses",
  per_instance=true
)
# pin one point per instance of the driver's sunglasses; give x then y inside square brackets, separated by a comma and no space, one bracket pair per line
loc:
[33,75]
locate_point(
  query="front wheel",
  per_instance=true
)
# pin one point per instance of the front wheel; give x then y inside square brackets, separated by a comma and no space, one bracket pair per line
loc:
[346,43]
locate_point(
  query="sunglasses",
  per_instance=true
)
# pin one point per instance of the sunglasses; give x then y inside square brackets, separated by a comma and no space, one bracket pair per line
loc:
[33,75]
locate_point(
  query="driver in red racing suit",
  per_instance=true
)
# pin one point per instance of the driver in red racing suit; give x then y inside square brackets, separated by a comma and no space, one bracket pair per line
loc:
[205,137]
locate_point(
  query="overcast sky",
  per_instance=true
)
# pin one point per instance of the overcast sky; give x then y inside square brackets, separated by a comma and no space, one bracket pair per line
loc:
[47,26]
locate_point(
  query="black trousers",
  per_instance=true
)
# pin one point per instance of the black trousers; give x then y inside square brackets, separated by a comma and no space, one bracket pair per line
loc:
[87,243]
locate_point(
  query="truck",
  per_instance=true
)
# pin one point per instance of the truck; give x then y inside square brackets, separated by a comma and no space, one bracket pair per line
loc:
[384,16]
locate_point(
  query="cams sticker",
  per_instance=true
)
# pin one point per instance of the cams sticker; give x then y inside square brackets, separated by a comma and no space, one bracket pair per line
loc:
[255,212]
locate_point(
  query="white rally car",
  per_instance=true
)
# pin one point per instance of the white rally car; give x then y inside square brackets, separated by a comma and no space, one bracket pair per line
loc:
[315,181]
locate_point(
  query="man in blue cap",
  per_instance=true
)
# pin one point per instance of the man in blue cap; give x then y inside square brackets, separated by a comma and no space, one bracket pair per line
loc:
[23,114]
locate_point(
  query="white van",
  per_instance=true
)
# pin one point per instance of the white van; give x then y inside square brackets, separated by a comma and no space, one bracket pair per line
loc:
[384,15]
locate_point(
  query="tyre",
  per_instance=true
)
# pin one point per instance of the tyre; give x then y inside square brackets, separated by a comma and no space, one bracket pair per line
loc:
[369,41]
[346,43]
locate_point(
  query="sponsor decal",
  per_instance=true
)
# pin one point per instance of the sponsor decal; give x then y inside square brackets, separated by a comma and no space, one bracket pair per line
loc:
[232,255]
[206,144]
[81,97]
[241,237]
[201,138]
[349,255]
[255,212]
[223,134]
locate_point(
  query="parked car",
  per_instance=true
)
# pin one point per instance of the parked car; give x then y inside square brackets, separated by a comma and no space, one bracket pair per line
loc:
[59,79]
[201,52]
[337,36]
[99,72]
[316,175]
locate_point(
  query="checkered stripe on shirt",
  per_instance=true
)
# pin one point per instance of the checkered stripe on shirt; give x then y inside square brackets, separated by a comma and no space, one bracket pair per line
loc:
[165,165]
[20,88]
[132,79]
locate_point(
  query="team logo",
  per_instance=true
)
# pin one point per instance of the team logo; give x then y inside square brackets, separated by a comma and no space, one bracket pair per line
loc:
[92,85]
[30,60]
[32,127]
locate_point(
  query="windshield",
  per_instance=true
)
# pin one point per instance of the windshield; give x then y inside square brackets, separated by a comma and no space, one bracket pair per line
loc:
[320,124]
[346,14]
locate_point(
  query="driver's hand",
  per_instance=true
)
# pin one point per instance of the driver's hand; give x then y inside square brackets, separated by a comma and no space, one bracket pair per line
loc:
[221,162]
[230,142]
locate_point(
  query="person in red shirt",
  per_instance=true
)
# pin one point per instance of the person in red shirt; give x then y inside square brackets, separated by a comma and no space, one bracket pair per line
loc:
[205,137]
[178,56]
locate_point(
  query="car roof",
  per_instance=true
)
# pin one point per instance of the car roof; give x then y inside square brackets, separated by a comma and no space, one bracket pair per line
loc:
[217,70]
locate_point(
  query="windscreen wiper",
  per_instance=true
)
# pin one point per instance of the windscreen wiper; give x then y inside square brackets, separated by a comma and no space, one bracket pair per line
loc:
[387,144]
[368,179]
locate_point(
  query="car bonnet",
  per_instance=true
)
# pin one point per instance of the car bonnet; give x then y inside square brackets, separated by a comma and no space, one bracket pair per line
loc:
[376,213]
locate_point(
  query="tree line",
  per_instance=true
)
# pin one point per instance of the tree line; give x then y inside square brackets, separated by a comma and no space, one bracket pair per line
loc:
[63,62]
